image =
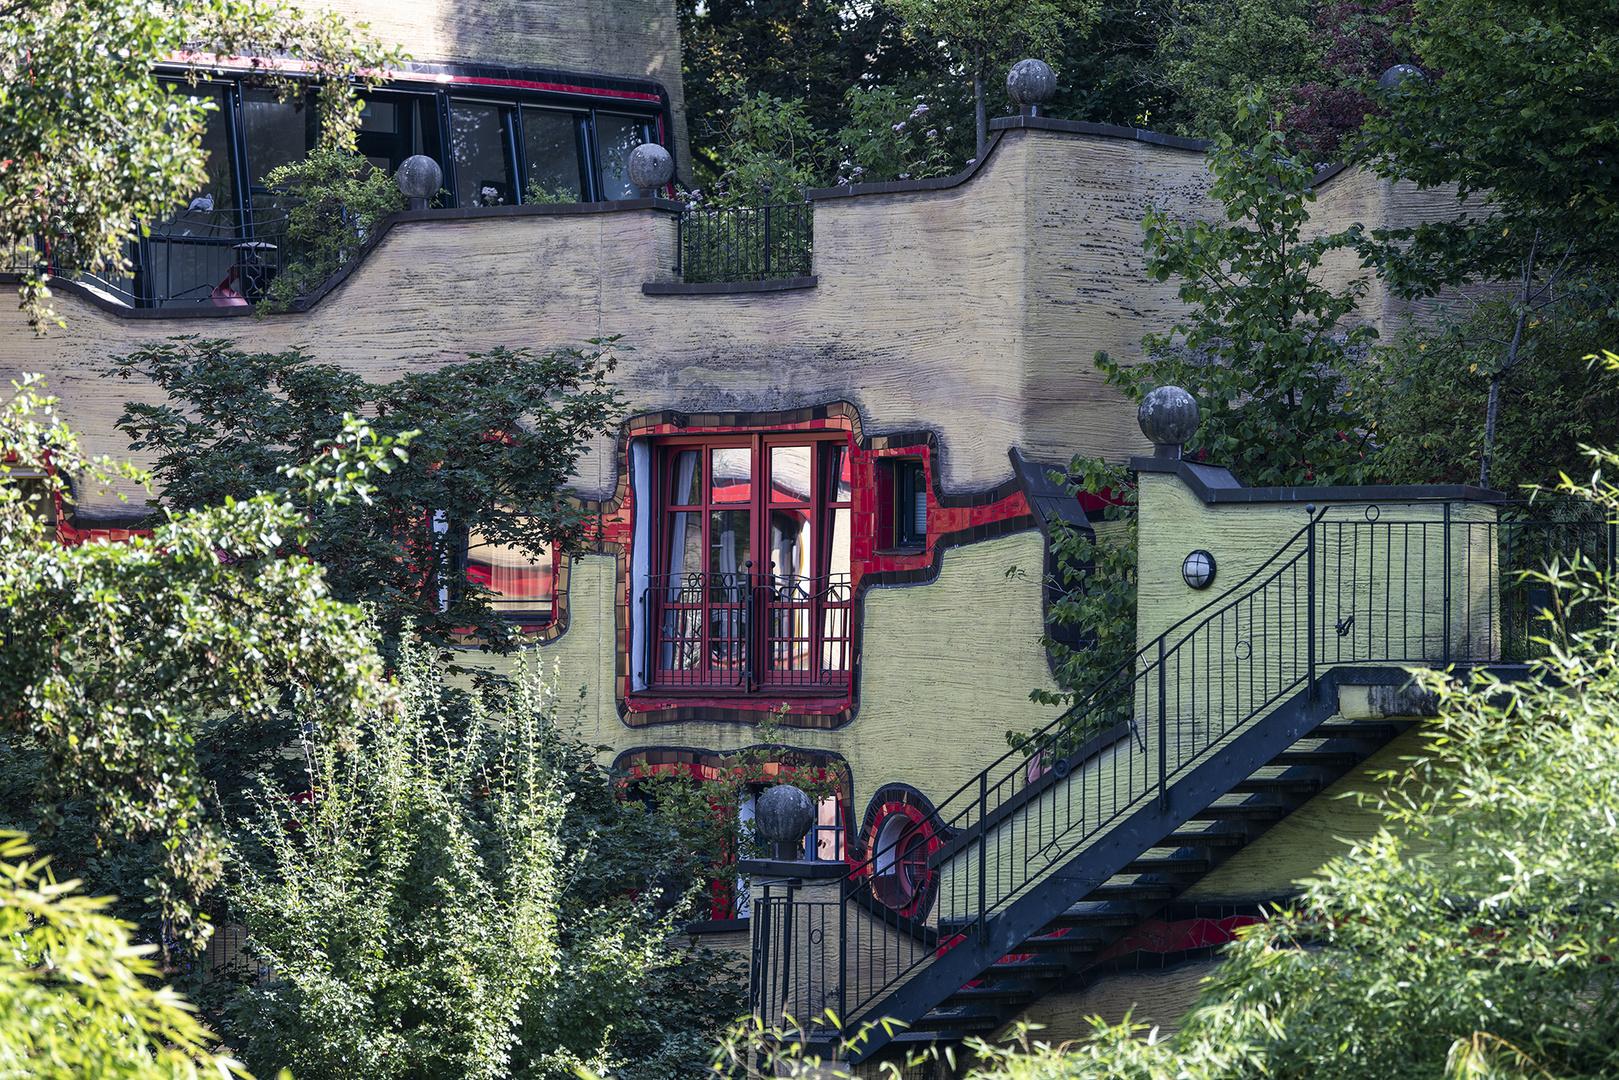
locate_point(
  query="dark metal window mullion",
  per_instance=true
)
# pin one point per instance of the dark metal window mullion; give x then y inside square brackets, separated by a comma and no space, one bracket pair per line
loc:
[447,142]
[592,190]
[519,153]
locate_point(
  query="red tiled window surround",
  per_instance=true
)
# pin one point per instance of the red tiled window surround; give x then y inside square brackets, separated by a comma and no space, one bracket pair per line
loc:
[749,590]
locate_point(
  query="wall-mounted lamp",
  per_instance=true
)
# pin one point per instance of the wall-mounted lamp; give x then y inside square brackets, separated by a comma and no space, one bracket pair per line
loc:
[1197,569]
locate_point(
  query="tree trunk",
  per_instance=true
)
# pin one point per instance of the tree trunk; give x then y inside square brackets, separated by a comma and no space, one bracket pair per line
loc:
[1492,408]
[978,105]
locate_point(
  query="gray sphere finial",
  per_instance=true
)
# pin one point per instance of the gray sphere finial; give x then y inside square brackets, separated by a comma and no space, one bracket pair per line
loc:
[649,166]
[784,814]
[419,177]
[1030,84]
[1395,76]
[1168,416]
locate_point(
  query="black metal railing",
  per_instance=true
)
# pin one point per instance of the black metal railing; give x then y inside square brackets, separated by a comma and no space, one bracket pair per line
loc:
[1350,588]
[747,632]
[219,258]
[752,243]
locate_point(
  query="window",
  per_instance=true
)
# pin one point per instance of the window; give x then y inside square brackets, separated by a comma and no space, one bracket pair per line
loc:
[524,584]
[551,155]
[902,498]
[616,136]
[481,139]
[750,590]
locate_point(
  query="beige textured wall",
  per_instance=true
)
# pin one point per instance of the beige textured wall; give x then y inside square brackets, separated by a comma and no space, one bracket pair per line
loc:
[1150,998]
[638,38]
[947,670]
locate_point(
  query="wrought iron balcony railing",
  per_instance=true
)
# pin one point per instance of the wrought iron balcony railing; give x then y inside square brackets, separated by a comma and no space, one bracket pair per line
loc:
[219,258]
[747,632]
[750,243]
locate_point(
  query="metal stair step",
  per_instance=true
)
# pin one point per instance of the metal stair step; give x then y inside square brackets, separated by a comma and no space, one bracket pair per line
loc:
[1076,916]
[964,1017]
[912,1037]
[1240,810]
[1330,758]
[1351,730]
[1014,991]
[1068,943]
[1267,785]
[1173,865]
[1023,969]
[1131,892]
[1210,838]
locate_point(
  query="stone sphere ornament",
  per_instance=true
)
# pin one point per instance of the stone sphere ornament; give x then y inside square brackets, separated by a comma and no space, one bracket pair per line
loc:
[419,178]
[1030,84]
[1396,76]
[783,815]
[1168,416]
[650,167]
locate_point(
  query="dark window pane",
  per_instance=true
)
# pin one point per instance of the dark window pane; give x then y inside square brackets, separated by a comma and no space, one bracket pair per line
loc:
[278,132]
[478,138]
[837,475]
[616,136]
[729,543]
[211,204]
[790,547]
[551,145]
[381,116]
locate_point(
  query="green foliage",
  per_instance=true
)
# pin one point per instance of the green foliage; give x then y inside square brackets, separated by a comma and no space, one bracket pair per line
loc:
[770,148]
[1429,392]
[981,36]
[891,137]
[1094,587]
[455,891]
[80,168]
[497,440]
[1474,934]
[1260,351]
[1520,113]
[1214,57]
[118,653]
[1110,74]
[76,997]
[335,199]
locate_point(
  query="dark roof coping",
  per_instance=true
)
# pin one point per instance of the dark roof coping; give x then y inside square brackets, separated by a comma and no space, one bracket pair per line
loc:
[1214,484]
[1049,499]
[1082,127]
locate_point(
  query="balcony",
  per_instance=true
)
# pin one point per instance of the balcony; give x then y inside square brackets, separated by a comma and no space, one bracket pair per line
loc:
[746,633]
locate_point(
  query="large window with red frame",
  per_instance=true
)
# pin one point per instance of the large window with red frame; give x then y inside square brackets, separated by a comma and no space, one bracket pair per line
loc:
[750,590]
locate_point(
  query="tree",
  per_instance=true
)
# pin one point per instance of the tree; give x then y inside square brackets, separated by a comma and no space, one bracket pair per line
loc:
[498,439]
[1262,350]
[1519,119]
[1212,56]
[454,890]
[1473,936]
[1357,43]
[114,654]
[809,52]
[76,997]
[1430,388]
[983,34]
[78,170]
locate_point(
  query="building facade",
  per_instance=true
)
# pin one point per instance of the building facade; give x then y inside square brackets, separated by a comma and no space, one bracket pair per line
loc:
[829,479]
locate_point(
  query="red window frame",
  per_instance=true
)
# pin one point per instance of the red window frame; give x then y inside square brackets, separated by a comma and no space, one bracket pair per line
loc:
[739,623]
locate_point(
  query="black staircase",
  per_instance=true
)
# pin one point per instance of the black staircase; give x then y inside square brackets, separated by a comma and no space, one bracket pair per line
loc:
[1221,727]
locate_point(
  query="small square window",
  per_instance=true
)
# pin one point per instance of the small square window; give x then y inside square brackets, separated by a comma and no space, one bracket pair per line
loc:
[902,492]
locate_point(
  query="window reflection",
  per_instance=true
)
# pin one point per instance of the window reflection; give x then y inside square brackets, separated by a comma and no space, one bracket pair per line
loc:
[278,132]
[616,136]
[522,582]
[551,149]
[480,139]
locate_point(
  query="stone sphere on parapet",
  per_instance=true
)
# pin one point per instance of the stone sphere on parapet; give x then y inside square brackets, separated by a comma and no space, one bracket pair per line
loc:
[1031,82]
[650,166]
[784,814]
[1398,75]
[419,177]
[1168,416]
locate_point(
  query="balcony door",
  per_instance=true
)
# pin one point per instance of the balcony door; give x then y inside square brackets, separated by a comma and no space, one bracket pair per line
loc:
[752,587]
